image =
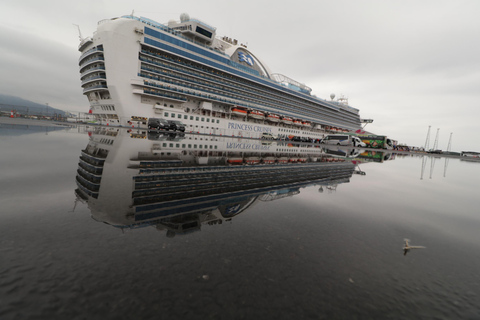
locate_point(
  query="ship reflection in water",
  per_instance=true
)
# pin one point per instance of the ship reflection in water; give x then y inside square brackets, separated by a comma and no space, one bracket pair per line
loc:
[177,182]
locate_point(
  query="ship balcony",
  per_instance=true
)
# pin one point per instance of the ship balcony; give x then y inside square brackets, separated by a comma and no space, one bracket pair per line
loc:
[87,184]
[85,72]
[86,191]
[92,169]
[90,79]
[100,87]
[96,179]
[86,62]
[98,157]
[84,43]
[158,93]
[90,52]
[94,161]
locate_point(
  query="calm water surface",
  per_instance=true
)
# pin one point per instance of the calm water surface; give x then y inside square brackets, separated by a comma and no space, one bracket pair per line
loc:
[100,224]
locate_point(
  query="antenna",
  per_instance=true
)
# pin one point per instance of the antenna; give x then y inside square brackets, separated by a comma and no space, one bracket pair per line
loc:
[133,11]
[79,32]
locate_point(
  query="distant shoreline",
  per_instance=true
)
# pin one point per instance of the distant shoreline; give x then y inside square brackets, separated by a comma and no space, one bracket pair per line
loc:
[33,122]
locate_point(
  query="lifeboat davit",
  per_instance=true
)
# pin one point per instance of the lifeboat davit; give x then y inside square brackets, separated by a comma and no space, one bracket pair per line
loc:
[256,115]
[239,111]
[273,118]
[287,120]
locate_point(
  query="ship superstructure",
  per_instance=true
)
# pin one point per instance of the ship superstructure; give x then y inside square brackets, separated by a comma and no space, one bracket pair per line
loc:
[133,69]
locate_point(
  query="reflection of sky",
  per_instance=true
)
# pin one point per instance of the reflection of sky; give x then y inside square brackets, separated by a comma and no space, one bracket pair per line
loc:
[34,167]
[393,191]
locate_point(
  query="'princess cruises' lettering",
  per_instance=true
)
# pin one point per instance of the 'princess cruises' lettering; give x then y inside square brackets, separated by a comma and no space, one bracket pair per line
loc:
[247,127]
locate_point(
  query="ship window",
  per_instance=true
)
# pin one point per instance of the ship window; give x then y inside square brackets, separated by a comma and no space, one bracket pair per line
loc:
[199,146]
[173,115]
[203,119]
[177,145]
[179,116]
[191,117]
[166,114]
[218,121]
[189,146]
[185,117]
[195,146]
[171,145]
[164,144]
[204,32]
[183,145]
[208,119]
[196,118]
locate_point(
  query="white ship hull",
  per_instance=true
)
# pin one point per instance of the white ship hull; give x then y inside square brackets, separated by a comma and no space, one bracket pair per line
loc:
[134,69]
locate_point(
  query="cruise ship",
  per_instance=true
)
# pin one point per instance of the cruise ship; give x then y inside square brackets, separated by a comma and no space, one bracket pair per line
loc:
[133,69]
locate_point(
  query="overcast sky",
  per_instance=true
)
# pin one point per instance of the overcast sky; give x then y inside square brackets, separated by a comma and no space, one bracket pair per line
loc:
[406,64]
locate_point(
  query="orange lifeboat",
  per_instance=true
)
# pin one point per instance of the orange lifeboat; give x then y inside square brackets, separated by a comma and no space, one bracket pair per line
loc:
[282,160]
[235,160]
[306,124]
[298,123]
[239,111]
[256,115]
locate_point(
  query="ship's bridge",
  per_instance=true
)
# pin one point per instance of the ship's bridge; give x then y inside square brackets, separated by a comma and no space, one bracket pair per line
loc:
[194,29]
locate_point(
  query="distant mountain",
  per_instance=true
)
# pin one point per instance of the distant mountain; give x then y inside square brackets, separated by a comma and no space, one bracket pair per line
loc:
[8,103]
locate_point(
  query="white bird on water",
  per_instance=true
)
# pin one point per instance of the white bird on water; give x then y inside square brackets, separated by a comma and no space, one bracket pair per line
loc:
[407,247]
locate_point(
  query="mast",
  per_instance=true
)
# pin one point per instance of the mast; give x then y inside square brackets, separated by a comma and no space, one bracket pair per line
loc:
[427,142]
[435,144]
[449,142]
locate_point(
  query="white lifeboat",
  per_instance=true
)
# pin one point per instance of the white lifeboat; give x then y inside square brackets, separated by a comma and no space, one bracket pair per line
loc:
[287,120]
[297,122]
[269,160]
[252,160]
[256,115]
[306,124]
[273,118]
